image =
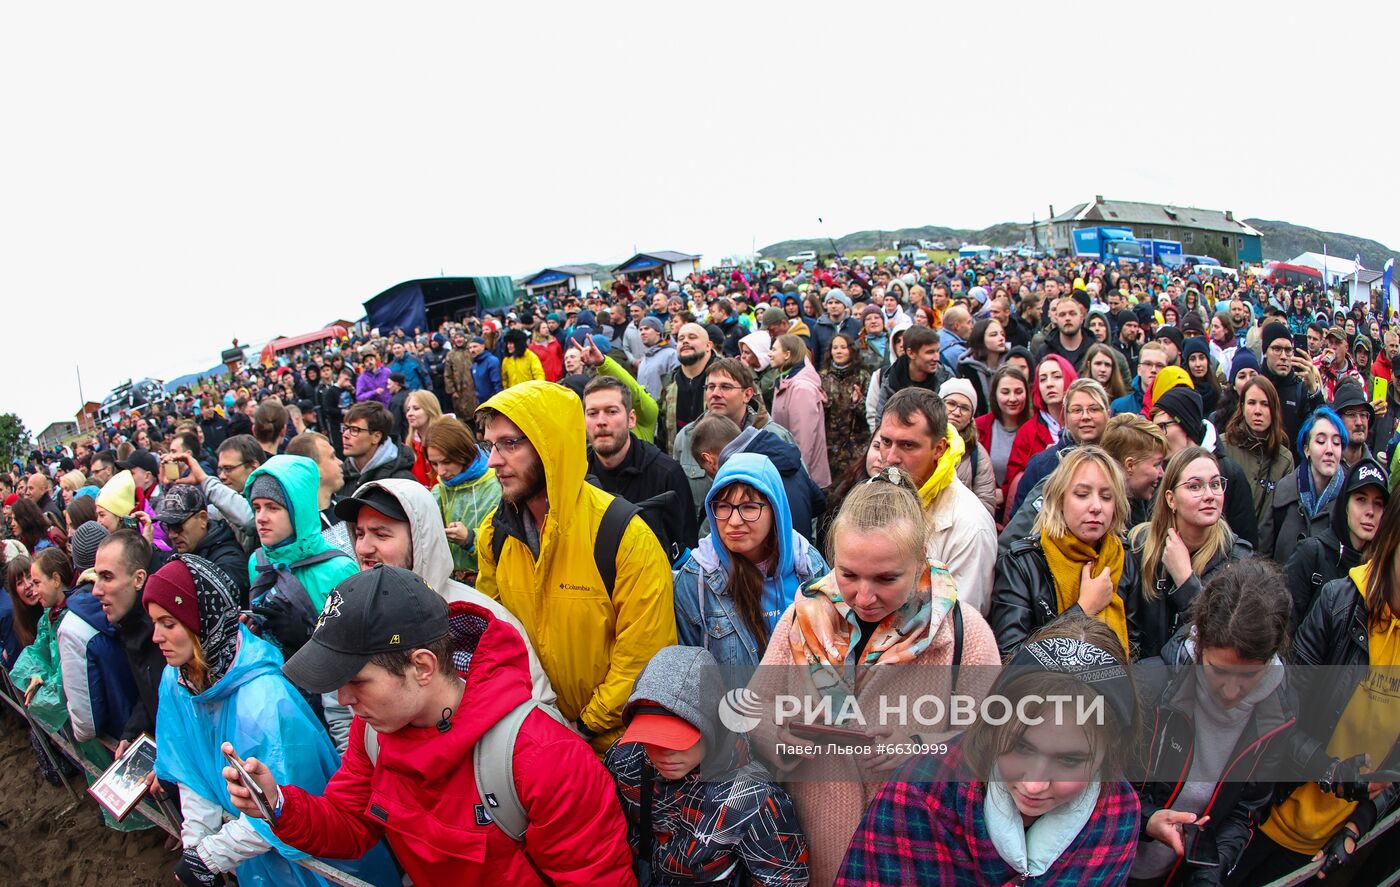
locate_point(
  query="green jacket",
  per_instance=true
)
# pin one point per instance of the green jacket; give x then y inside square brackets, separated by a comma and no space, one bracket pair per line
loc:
[49,708]
[300,479]
[647,408]
[470,504]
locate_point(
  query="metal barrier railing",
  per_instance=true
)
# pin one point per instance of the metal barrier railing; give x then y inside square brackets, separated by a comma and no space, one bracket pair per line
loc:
[148,806]
[156,814]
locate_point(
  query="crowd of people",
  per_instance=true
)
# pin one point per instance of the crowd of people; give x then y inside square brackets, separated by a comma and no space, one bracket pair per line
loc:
[467,604]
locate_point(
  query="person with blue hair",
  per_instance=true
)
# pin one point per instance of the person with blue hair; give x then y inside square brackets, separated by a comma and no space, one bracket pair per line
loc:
[744,575]
[1303,500]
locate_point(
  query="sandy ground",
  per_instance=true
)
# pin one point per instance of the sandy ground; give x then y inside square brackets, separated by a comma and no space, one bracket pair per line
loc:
[44,839]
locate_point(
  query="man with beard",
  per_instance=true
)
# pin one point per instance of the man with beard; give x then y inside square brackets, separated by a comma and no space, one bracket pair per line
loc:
[624,465]
[595,612]
[457,378]
[1068,339]
[683,395]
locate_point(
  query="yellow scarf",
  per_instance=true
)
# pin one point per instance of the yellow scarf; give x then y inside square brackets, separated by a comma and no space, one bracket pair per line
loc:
[1067,557]
[945,470]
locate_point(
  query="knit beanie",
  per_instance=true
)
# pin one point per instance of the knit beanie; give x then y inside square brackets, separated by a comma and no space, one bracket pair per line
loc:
[172,587]
[1184,405]
[1170,378]
[118,495]
[86,539]
[1194,346]
[1272,332]
[1244,360]
[838,295]
[265,486]
[958,386]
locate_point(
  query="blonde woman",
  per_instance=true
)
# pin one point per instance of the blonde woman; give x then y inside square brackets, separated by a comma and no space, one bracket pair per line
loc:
[1183,545]
[1074,560]
[420,410]
[862,631]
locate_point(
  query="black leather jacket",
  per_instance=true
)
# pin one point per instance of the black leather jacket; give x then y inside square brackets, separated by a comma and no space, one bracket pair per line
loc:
[1166,613]
[1023,595]
[1244,793]
[1335,634]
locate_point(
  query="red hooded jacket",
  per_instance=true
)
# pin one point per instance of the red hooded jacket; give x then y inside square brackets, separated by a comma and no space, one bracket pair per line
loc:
[1034,436]
[422,794]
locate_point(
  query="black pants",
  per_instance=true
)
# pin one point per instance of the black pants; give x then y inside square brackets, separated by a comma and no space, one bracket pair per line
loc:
[1265,861]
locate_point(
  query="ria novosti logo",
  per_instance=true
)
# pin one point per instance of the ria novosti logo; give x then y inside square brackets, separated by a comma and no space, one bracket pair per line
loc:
[740,710]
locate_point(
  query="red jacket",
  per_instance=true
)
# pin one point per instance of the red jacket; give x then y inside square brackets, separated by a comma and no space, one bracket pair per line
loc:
[551,355]
[1034,436]
[422,795]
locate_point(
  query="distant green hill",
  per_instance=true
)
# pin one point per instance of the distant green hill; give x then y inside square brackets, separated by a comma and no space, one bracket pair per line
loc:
[1282,240]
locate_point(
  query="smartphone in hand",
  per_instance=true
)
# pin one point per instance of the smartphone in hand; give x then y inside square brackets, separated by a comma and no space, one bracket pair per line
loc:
[259,796]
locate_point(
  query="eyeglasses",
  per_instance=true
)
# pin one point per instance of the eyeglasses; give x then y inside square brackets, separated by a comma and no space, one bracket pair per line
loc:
[1165,424]
[1196,487]
[748,511]
[956,407]
[222,470]
[722,387]
[507,445]
[1151,365]
[1281,350]
[173,527]
[353,430]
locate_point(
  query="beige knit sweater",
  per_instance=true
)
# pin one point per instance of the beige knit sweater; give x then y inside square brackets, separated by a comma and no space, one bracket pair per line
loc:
[831,793]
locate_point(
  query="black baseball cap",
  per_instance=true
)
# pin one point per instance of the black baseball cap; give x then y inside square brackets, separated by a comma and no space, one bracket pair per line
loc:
[140,459]
[382,610]
[376,497]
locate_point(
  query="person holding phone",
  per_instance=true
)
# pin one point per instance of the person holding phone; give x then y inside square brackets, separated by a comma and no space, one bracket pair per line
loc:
[1296,381]
[1219,701]
[223,683]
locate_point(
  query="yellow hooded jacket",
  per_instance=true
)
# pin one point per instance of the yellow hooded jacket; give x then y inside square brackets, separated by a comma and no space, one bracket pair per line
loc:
[591,647]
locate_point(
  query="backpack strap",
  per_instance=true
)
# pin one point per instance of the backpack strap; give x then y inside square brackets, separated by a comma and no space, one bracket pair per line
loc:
[327,555]
[493,761]
[957,646]
[609,539]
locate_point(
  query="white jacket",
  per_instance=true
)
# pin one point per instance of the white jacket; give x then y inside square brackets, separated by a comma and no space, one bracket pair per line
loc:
[432,561]
[963,536]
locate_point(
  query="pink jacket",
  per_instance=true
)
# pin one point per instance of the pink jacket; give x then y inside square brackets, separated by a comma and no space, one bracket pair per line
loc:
[799,405]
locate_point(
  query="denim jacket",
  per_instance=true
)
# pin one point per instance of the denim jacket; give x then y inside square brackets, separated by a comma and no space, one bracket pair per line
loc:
[720,629]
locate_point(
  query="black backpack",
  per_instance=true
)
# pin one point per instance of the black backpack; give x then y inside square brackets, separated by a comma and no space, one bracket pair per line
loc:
[657,512]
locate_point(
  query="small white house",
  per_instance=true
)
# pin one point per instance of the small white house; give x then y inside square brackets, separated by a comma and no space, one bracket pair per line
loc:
[1334,269]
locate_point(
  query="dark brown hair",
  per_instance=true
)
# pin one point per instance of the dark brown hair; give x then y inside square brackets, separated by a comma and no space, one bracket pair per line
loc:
[1245,607]
[377,419]
[396,662]
[26,619]
[1237,432]
[453,439]
[734,368]
[910,402]
[270,421]
[53,562]
[1384,549]
[994,408]
[745,586]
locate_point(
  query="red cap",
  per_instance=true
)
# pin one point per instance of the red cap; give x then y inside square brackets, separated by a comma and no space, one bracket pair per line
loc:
[663,729]
[11,499]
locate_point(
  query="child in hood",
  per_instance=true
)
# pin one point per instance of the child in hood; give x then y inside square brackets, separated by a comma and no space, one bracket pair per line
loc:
[713,815]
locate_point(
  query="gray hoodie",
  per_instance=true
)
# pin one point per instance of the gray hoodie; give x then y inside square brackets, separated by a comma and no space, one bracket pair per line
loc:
[686,682]
[432,561]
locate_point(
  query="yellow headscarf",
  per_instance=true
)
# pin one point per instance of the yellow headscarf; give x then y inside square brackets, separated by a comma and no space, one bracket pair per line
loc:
[945,470]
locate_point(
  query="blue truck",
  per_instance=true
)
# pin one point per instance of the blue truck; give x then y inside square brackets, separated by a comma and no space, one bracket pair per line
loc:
[1107,244]
[1155,251]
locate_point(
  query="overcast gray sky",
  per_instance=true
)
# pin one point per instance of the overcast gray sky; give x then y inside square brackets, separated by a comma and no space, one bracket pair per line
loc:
[177,174]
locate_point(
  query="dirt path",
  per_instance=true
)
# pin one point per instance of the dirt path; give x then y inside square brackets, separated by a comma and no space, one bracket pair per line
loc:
[43,842]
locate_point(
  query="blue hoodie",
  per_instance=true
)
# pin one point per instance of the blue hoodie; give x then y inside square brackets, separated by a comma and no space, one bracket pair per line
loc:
[257,710]
[706,572]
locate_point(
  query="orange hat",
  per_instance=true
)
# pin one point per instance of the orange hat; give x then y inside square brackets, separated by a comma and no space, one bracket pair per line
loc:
[654,725]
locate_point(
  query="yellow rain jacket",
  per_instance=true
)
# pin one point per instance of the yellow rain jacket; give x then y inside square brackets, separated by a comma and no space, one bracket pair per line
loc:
[591,647]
